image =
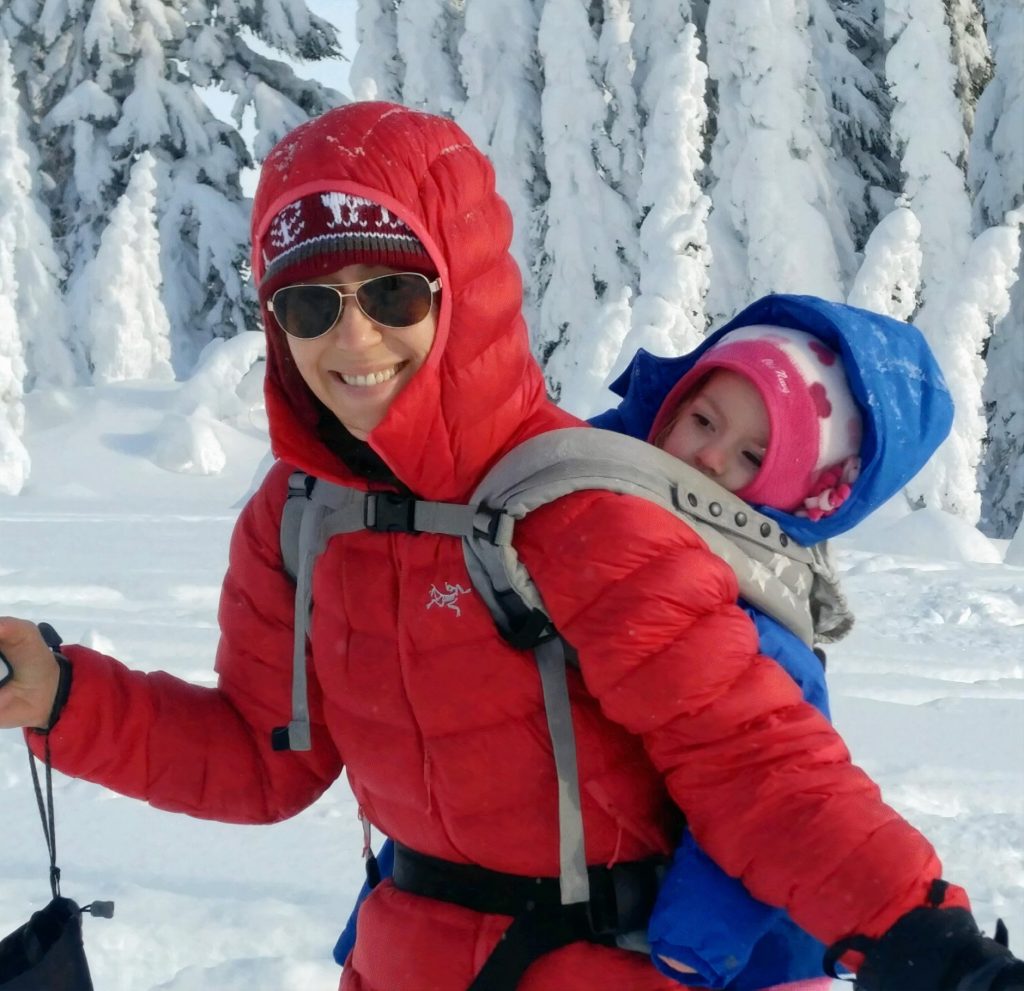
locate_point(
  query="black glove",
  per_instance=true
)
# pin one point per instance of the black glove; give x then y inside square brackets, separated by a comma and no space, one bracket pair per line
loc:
[934,949]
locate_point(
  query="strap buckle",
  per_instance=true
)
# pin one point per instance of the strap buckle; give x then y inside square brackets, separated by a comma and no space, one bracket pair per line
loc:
[390,512]
[526,628]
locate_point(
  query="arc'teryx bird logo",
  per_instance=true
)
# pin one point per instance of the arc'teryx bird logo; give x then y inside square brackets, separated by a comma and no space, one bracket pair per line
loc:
[447,599]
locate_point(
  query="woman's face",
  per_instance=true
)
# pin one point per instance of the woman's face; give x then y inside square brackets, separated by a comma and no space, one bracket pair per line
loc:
[358,367]
[721,429]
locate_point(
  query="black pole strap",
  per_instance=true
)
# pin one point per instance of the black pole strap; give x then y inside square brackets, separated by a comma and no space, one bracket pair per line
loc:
[46,814]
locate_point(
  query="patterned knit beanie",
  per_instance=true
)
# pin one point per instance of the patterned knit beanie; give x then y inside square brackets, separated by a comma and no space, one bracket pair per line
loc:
[814,422]
[323,232]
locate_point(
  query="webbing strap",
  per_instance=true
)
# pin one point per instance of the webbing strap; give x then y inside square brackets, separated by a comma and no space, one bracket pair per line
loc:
[320,510]
[327,510]
[572,857]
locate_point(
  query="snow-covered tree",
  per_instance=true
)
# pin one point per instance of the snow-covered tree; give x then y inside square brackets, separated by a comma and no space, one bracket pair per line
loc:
[14,459]
[996,177]
[377,69]
[970,54]
[890,274]
[959,299]
[15,463]
[427,35]
[109,80]
[588,267]
[501,113]
[849,55]
[118,295]
[668,315]
[777,223]
[977,299]
[34,293]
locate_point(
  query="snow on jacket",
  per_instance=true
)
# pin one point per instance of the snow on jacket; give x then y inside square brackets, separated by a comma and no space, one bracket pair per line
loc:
[439,724]
[704,918]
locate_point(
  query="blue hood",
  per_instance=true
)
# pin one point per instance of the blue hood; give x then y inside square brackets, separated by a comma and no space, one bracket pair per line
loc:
[893,375]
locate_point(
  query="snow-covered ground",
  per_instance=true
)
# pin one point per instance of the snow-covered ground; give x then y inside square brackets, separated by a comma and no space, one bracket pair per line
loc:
[123,554]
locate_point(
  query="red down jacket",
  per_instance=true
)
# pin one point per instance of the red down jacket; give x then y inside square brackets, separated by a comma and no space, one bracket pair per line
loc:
[440,725]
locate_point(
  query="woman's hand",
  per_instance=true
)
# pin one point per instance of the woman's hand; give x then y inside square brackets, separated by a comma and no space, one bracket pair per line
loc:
[28,698]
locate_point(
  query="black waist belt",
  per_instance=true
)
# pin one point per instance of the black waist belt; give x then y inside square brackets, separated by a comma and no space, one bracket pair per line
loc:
[621,899]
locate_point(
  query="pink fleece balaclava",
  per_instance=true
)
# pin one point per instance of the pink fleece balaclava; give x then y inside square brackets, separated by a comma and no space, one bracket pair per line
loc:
[814,422]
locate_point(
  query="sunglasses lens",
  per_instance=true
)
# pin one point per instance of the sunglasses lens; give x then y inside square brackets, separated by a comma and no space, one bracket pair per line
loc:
[396,300]
[307,311]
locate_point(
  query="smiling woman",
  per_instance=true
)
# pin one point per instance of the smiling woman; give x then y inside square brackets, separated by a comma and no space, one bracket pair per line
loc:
[325,249]
[358,365]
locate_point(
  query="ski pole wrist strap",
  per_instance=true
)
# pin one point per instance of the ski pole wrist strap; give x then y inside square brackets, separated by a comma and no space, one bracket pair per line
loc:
[46,815]
[53,640]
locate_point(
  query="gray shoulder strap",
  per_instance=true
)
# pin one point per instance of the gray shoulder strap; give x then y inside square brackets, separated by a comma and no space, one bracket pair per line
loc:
[312,514]
[775,574]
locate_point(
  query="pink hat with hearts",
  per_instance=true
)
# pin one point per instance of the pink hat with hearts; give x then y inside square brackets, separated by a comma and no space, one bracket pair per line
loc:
[814,422]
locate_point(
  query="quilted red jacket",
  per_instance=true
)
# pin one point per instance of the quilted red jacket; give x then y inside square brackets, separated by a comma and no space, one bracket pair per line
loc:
[439,725]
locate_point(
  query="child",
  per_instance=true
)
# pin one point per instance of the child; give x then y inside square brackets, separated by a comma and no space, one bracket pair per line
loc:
[784,407]
[815,413]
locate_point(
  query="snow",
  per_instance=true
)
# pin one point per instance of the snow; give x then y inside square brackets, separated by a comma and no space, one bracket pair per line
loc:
[126,556]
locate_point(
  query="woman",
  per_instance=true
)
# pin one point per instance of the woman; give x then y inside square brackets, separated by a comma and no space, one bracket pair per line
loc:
[418,383]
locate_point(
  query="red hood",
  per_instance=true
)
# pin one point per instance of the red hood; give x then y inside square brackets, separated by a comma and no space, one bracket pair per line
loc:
[480,391]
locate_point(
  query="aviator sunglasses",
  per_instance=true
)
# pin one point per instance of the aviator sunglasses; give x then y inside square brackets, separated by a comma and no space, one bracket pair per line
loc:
[393,300]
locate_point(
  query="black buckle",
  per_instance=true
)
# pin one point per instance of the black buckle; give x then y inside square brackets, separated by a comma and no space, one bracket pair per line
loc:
[390,512]
[603,906]
[529,630]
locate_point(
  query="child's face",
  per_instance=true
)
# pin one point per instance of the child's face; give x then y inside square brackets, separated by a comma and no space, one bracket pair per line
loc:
[721,429]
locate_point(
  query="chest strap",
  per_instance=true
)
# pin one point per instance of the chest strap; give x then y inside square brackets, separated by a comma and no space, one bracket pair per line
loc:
[621,900]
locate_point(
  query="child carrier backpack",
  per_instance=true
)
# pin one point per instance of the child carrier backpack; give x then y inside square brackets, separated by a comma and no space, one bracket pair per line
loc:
[793,584]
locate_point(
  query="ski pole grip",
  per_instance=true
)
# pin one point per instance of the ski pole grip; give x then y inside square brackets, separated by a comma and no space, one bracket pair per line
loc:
[6,671]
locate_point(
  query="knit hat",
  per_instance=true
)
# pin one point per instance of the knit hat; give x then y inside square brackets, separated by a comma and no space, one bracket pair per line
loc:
[814,422]
[323,232]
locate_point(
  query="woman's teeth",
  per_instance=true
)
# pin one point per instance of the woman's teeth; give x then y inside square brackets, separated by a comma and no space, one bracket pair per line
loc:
[374,378]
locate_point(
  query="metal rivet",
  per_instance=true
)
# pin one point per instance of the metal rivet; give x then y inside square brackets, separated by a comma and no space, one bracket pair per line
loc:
[783,539]
[716,509]
[766,530]
[741,519]
[691,498]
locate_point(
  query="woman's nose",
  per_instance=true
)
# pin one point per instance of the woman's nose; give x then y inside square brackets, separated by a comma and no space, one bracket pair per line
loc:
[354,330]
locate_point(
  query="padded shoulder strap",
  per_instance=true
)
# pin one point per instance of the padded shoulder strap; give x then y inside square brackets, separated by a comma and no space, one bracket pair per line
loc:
[775,574]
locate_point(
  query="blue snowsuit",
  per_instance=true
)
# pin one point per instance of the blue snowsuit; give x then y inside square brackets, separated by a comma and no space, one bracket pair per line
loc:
[703,917]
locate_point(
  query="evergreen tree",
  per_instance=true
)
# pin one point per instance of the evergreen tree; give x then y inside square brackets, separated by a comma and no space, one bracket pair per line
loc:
[996,177]
[377,69]
[970,55]
[668,315]
[40,316]
[849,55]
[928,131]
[14,459]
[125,323]
[109,80]
[890,274]
[500,72]
[427,35]
[777,223]
[588,266]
